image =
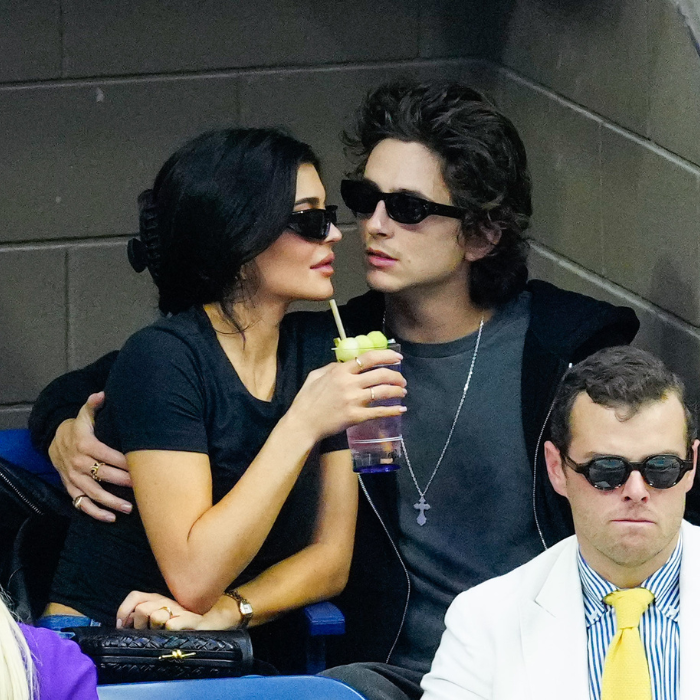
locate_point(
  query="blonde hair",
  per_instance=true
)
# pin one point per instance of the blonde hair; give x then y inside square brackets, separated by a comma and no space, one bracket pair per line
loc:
[17,679]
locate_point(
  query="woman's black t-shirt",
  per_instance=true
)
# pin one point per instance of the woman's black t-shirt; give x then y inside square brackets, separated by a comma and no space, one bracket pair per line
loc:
[173,388]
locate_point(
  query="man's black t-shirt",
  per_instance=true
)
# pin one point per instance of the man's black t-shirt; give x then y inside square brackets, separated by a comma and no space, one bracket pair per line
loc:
[173,388]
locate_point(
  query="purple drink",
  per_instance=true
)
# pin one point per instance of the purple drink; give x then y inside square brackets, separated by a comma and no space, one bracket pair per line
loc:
[375,445]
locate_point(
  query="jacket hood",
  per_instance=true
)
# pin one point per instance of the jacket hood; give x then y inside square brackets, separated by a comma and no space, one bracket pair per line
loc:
[568,324]
[571,325]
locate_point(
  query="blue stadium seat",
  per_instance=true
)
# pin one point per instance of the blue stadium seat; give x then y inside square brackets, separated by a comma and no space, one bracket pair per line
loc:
[247,688]
[16,447]
[322,620]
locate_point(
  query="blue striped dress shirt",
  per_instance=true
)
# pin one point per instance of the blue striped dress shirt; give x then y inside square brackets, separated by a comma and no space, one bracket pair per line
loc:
[658,627]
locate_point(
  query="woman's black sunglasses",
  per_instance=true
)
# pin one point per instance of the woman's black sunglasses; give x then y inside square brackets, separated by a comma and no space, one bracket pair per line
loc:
[608,472]
[314,224]
[362,199]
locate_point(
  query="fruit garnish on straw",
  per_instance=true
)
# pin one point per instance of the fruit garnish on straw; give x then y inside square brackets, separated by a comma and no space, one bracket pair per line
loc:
[348,348]
[378,340]
[345,348]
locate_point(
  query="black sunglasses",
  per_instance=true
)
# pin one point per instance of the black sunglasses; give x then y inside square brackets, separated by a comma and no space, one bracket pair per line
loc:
[608,472]
[362,199]
[314,224]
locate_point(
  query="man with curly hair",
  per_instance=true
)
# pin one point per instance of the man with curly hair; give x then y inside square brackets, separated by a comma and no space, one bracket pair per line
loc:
[442,196]
[483,353]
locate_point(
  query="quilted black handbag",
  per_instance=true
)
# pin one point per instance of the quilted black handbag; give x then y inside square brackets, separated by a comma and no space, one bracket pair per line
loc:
[131,656]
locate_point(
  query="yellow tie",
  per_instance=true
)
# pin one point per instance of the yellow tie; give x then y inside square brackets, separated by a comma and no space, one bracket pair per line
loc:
[626,671]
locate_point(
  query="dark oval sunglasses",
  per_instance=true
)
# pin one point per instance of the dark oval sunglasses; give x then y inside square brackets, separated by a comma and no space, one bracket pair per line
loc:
[362,199]
[314,224]
[608,472]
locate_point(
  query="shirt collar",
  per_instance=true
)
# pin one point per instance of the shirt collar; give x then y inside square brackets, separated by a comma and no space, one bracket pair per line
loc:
[663,583]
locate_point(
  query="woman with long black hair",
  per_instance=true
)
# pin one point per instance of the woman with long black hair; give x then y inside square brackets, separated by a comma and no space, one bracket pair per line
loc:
[245,500]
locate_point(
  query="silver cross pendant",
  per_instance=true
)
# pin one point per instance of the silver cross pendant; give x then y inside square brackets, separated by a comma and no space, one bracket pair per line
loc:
[422,506]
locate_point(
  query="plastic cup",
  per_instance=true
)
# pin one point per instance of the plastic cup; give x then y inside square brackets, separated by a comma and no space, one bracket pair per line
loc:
[375,445]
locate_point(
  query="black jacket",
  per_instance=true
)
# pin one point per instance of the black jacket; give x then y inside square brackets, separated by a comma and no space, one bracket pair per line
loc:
[564,328]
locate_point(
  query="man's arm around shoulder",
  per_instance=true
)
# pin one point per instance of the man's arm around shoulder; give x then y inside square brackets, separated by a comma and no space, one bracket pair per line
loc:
[64,397]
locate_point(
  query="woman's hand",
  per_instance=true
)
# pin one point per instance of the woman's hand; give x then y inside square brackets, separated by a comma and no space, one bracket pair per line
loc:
[75,450]
[338,395]
[152,610]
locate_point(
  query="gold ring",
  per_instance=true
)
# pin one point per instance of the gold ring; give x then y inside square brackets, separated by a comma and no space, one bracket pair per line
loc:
[94,469]
[371,393]
[77,501]
[169,611]
[359,364]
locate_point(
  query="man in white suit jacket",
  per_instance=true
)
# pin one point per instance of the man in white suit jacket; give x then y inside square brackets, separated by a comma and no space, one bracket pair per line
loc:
[524,636]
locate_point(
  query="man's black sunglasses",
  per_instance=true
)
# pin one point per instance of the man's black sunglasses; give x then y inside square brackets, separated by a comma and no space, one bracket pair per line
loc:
[314,224]
[362,199]
[608,472]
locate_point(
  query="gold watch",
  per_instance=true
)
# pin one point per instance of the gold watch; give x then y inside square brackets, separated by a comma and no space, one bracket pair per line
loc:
[244,607]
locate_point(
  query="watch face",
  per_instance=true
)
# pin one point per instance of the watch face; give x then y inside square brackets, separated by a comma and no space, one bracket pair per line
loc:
[246,609]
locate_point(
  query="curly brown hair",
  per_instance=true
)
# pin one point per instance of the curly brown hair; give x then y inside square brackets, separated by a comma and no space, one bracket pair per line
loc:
[484,167]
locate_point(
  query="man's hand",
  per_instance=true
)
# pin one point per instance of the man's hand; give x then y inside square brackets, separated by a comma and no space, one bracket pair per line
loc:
[74,452]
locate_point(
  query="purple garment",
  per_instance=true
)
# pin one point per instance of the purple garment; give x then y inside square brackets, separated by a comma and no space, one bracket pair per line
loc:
[63,672]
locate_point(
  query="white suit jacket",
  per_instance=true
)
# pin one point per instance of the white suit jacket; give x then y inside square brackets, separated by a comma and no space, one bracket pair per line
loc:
[522,636]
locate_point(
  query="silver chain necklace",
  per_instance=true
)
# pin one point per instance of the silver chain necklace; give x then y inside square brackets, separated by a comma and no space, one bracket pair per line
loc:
[422,504]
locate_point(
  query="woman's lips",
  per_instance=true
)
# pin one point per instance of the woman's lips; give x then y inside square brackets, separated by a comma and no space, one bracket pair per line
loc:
[325,266]
[378,259]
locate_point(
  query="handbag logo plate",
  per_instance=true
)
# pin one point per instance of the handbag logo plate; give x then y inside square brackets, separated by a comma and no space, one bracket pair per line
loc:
[177,655]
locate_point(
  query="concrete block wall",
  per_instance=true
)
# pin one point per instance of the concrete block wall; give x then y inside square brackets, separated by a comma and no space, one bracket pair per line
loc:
[607,98]
[95,95]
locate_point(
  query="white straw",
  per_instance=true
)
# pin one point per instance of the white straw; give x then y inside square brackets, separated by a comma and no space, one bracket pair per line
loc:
[336,316]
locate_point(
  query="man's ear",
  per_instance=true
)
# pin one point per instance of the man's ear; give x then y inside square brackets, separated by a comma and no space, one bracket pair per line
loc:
[480,244]
[555,467]
[691,474]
